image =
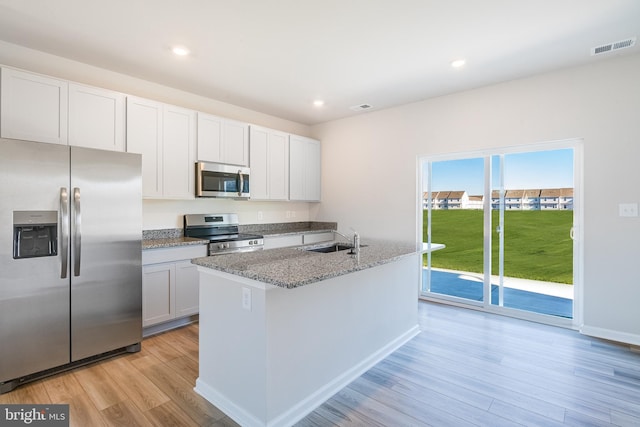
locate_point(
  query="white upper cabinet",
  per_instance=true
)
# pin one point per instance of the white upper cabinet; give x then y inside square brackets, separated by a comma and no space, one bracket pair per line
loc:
[304,169]
[165,136]
[33,107]
[96,118]
[144,136]
[178,154]
[222,141]
[269,164]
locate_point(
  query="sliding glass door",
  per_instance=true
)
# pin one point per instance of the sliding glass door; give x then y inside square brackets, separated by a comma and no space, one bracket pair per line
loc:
[499,229]
[453,213]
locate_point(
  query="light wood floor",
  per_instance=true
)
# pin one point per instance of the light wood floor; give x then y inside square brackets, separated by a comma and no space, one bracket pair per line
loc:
[466,368]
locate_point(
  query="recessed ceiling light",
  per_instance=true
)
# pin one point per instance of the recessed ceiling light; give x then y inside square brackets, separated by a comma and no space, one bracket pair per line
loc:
[180,51]
[458,63]
[318,102]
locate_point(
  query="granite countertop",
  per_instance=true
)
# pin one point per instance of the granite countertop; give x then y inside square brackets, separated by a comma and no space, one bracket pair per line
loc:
[281,229]
[172,237]
[169,242]
[294,267]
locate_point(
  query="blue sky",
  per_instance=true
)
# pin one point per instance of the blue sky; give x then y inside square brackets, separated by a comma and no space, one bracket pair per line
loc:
[537,169]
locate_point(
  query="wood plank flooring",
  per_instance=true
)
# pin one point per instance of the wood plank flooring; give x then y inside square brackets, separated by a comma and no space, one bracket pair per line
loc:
[466,368]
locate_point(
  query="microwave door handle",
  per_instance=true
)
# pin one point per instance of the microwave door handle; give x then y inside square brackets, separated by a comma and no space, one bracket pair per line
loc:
[241,180]
[77,232]
[64,232]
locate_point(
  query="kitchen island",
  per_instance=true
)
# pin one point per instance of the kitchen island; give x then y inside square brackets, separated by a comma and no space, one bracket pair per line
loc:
[283,330]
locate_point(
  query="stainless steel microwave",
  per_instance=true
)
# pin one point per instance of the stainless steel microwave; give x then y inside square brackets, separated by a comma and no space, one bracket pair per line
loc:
[220,180]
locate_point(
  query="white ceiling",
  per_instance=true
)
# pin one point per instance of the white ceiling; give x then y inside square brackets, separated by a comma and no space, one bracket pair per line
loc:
[277,56]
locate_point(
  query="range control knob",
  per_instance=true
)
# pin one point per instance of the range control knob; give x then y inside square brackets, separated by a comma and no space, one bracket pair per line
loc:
[221,246]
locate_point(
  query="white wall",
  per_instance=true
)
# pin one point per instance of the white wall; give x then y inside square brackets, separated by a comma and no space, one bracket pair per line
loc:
[369,166]
[167,213]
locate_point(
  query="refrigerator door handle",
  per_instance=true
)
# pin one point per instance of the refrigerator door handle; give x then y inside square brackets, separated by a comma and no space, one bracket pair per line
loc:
[77,232]
[64,232]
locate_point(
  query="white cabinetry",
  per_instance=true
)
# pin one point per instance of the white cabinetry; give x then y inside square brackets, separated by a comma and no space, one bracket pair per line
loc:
[311,238]
[223,141]
[275,242]
[304,170]
[297,239]
[165,136]
[178,152]
[44,109]
[269,164]
[33,107]
[96,118]
[169,284]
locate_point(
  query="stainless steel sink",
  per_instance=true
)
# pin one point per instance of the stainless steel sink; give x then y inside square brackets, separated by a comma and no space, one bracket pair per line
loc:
[336,247]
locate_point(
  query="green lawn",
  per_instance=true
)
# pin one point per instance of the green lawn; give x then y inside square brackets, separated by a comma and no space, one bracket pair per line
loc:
[537,243]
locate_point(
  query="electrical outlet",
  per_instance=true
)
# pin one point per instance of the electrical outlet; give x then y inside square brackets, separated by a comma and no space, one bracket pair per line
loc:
[259,215]
[288,214]
[246,299]
[628,209]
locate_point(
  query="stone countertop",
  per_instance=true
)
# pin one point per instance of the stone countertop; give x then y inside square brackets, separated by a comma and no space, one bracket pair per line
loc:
[294,267]
[172,237]
[169,242]
[281,229]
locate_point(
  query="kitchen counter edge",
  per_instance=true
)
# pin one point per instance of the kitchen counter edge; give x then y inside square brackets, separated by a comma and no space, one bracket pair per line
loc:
[294,267]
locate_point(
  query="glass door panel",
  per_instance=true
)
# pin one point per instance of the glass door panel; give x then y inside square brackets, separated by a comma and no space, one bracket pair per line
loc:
[454,217]
[532,219]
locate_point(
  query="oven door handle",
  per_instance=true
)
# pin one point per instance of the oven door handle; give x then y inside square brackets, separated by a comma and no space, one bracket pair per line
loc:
[241,181]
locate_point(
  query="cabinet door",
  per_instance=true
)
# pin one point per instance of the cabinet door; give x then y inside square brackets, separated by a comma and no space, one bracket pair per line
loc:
[158,293]
[304,170]
[235,149]
[187,289]
[144,136]
[210,138]
[313,179]
[33,107]
[278,166]
[96,118]
[179,144]
[269,164]
[259,160]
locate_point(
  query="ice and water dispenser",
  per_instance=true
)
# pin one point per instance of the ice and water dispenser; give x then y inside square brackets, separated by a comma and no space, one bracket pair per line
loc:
[35,234]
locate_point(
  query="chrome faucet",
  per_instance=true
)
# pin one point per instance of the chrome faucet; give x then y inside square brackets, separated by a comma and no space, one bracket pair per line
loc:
[355,241]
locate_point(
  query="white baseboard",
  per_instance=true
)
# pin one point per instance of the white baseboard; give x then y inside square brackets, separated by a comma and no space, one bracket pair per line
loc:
[311,402]
[609,334]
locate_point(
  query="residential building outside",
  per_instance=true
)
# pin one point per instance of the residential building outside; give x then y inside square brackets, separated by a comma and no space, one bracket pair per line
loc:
[526,200]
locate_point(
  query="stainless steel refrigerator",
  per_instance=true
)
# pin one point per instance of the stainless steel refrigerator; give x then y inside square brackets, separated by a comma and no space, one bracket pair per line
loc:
[70,256]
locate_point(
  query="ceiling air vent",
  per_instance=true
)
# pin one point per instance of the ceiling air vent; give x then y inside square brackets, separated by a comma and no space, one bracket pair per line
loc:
[360,107]
[610,47]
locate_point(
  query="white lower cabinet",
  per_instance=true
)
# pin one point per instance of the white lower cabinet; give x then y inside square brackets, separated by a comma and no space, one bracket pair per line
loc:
[288,240]
[275,242]
[170,288]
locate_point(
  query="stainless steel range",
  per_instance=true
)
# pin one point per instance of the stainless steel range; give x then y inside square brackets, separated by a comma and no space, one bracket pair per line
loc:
[222,232]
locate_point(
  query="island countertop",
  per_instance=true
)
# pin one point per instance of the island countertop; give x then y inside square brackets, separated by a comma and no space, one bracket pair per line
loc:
[294,267]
